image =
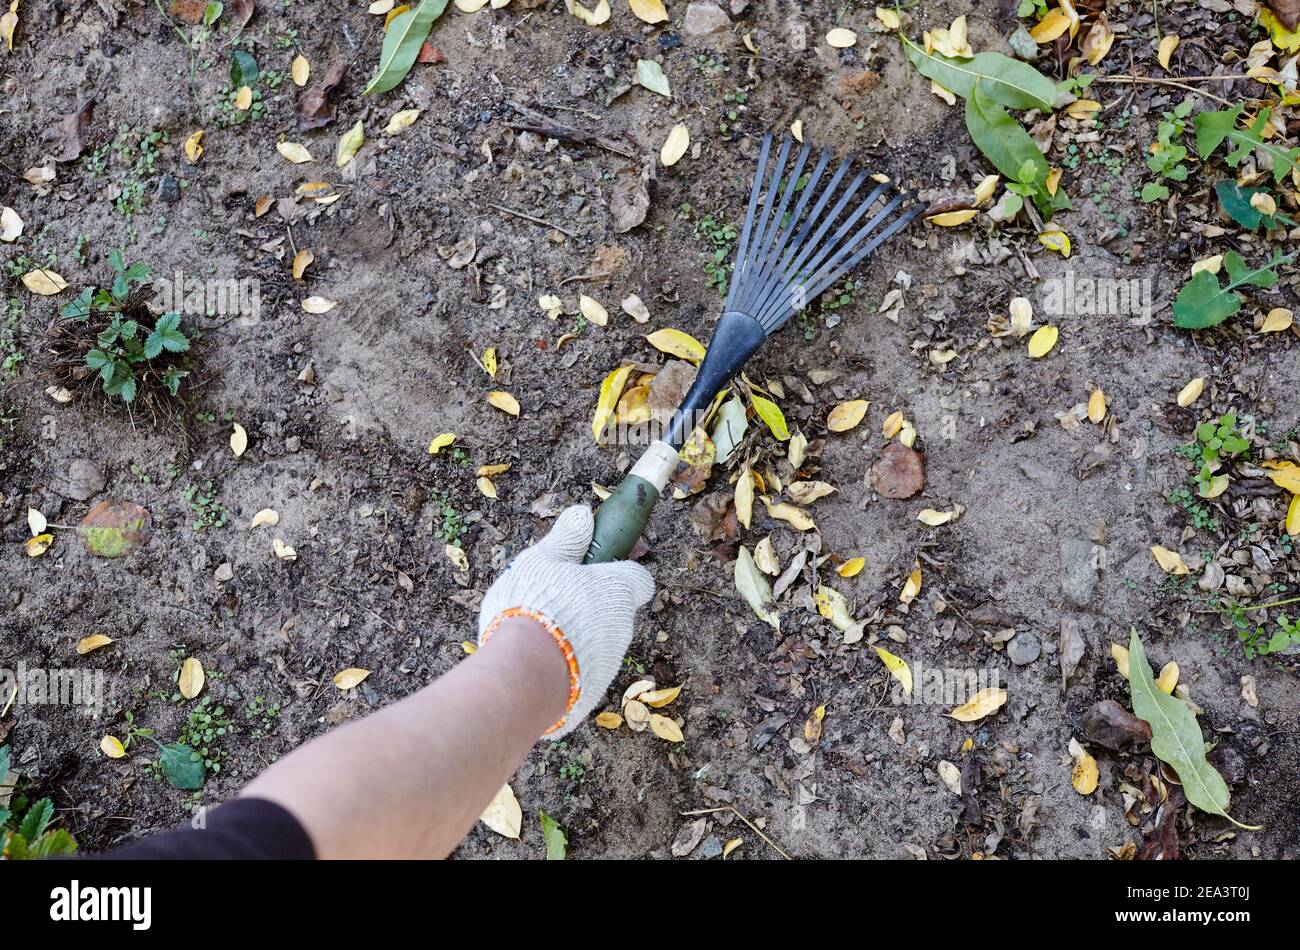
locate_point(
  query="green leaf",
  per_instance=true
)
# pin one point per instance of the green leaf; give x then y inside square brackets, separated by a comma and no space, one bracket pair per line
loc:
[243,72]
[1213,127]
[1002,139]
[1154,191]
[771,415]
[182,766]
[212,12]
[78,309]
[54,842]
[402,41]
[651,75]
[557,842]
[37,819]
[1007,82]
[1235,201]
[1176,736]
[1203,303]
[115,260]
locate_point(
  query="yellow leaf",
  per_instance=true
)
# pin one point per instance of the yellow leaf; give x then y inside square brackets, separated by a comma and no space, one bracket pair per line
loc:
[35,522]
[985,189]
[771,415]
[1083,109]
[665,728]
[594,17]
[731,846]
[1041,343]
[841,38]
[1167,46]
[1098,42]
[983,703]
[300,70]
[191,678]
[1120,655]
[46,283]
[897,667]
[1217,486]
[283,551]
[933,518]
[911,587]
[1292,524]
[852,567]
[350,678]
[765,557]
[469,648]
[592,310]
[658,698]
[1055,240]
[319,305]
[90,644]
[749,45]
[301,261]
[488,471]
[194,147]
[294,152]
[889,18]
[796,517]
[1285,475]
[893,424]
[503,814]
[112,747]
[812,729]
[676,343]
[243,98]
[634,407]
[504,401]
[847,415]
[1085,775]
[1097,406]
[1213,264]
[441,441]
[1278,319]
[401,121]
[1168,677]
[394,13]
[649,11]
[456,554]
[9,23]
[796,128]
[675,146]
[485,486]
[38,545]
[1171,562]
[950,219]
[1050,27]
[611,388]
[238,440]
[609,720]
[490,361]
[350,143]
[1191,392]
[267,516]
[745,496]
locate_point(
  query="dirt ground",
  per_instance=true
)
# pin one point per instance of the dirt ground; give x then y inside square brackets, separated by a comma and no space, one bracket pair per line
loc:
[1058,518]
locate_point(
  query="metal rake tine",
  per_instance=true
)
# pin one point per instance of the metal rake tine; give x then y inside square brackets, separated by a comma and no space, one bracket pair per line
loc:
[764,217]
[770,266]
[755,190]
[817,249]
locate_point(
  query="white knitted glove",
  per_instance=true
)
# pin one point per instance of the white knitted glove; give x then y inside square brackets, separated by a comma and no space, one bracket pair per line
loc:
[587,608]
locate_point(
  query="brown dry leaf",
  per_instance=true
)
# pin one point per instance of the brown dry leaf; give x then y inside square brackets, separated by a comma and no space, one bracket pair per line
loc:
[899,472]
[350,678]
[66,137]
[114,528]
[92,643]
[629,201]
[191,679]
[316,107]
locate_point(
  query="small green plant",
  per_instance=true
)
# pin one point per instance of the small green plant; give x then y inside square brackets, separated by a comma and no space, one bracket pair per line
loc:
[208,512]
[25,832]
[1168,153]
[262,715]
[10,353]
[1256,639]
[717,262]
[451,524]
[1217,442]
[126,350]
[733,104]
[205,732]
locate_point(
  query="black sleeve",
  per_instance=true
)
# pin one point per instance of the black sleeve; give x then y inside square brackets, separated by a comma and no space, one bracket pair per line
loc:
[241,829]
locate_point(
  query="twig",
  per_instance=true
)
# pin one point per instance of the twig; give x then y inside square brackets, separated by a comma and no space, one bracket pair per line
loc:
[1136,80]
[543,124]
[533,218]
[735,811]
[569,280]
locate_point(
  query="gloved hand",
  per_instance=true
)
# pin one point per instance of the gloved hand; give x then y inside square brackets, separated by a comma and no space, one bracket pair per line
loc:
[587,608]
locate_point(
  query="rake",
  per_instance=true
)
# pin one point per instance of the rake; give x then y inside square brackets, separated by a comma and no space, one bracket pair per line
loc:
[787,255]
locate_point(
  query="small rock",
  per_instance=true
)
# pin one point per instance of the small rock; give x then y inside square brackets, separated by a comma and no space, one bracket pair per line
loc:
[1024,648]
[82,481]
[739,6]
[1078,571]
[711,848]
[224,572]
[293,443]
[703,19]
[169,189]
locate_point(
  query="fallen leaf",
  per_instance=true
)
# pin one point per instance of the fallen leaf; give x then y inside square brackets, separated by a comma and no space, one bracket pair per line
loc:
[675,146]
[238,440]
[301,261]
[1278,319]
[316,108]
[294,152]
[771,415]
[456,554]
[44,282]
[791,515]
[1084,776]
[629,200]
[503,814]
[982,704]
[1191,392]
[11,225]
[1097,406]
[267,516]
[635,308]
[401,121]
[658,698]
[38,545]
[911,587]
[113,528]
[665,728]
[441,441]
[92,643]
[753,586]
[283,551]
[350,678]
[650,75]
[677,343]
[611,389]
[1167,46]
[649,11]
[350,143]
[1043,340]
[592,311]
[112,747]
[852,567]
[191,678]
[899,473]
[609,720]
[840,38]
[504,401]
[1171,562]
[951,219]
[897,667]
[847,415]
[933,518]
[300,70]
[36,522]
[319,305]
[194,147]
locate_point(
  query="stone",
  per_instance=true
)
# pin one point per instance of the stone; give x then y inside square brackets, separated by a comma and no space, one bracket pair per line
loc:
[83,480]
[1078,571]
[169,189]
[711,848]
[1023,648]
[704,19]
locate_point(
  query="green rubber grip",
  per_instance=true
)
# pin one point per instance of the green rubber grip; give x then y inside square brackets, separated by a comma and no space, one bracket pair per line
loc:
[620,519]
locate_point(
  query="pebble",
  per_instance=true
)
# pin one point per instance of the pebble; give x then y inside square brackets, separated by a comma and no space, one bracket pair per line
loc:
[711,848]
[1023,648]
[1078,571]
[83,480]
[702,19]
[169,189]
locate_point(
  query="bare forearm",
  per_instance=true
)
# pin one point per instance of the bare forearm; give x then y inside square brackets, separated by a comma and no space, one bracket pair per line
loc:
[411,779]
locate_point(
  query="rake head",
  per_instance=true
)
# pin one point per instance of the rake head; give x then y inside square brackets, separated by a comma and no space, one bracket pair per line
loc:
[788,252]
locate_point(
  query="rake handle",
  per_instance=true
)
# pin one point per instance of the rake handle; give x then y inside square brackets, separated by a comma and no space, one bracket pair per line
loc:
[620,520]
